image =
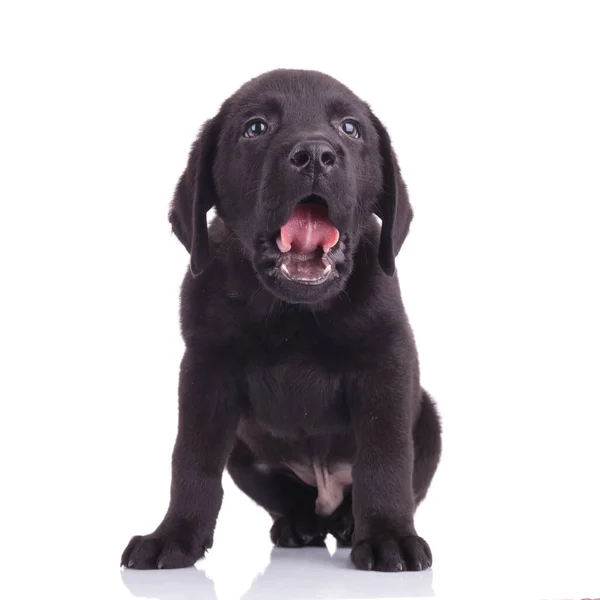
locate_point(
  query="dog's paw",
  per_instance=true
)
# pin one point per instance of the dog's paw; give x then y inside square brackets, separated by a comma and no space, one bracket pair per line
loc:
[167,550]
[391,553]
[294,532]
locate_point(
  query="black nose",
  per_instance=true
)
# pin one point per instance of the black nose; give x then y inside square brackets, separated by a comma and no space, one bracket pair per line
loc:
[313,155]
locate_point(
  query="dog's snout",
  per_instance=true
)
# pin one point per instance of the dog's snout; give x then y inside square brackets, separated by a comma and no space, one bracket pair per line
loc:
[314,155]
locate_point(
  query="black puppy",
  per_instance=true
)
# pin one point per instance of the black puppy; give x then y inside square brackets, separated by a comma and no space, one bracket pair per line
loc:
[300,372]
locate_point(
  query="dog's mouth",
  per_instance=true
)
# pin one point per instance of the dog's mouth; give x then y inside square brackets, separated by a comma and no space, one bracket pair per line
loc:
[305,242]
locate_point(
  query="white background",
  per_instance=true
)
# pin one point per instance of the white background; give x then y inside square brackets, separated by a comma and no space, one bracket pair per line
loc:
[494,112]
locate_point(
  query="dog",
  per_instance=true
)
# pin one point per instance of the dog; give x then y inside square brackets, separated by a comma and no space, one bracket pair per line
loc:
[300,373]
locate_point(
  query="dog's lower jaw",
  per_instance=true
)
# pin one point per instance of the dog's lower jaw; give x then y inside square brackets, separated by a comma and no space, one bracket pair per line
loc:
[311,274]
[313,269]
[315,279]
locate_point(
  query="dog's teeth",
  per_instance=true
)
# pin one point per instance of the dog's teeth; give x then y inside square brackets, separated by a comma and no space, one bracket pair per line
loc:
[282,247]
[285,269]
[327,269]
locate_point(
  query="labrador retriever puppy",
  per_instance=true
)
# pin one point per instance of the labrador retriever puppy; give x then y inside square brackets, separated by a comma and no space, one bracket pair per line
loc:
[300,374]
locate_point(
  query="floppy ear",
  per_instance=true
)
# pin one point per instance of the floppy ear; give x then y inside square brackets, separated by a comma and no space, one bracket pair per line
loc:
[194,196]
[392,206]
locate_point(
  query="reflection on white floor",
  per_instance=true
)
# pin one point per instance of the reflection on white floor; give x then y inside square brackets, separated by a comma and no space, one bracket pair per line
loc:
[302,574]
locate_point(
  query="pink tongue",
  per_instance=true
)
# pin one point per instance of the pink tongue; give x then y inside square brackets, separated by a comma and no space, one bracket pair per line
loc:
[307,229]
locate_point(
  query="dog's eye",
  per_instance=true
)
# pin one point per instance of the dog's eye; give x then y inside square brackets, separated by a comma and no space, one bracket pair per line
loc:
[350,128]
[255,128]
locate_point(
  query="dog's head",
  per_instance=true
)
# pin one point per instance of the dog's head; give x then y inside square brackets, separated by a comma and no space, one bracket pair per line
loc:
[295,165]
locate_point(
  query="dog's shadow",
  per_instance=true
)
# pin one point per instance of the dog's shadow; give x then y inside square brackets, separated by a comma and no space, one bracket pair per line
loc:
[175,584]
[301,574]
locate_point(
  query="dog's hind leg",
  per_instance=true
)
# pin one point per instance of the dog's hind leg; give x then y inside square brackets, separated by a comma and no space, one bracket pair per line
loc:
[341,523]
[290,501]
[428,446]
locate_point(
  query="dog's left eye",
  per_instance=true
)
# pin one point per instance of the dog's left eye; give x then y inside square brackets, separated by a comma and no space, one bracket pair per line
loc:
[255,128]
[350,128]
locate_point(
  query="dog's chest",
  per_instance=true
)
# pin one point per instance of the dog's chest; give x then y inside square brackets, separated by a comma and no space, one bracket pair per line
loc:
[294,395]
[295,383]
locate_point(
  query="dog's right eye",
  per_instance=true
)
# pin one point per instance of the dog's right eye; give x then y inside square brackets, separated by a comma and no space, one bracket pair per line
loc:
[255,128]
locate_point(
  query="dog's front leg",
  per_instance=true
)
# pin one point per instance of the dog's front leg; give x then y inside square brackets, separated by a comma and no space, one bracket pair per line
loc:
[382,495]
[208,417]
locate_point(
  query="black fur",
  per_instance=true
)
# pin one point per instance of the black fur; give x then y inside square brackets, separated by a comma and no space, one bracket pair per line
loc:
[277,371]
